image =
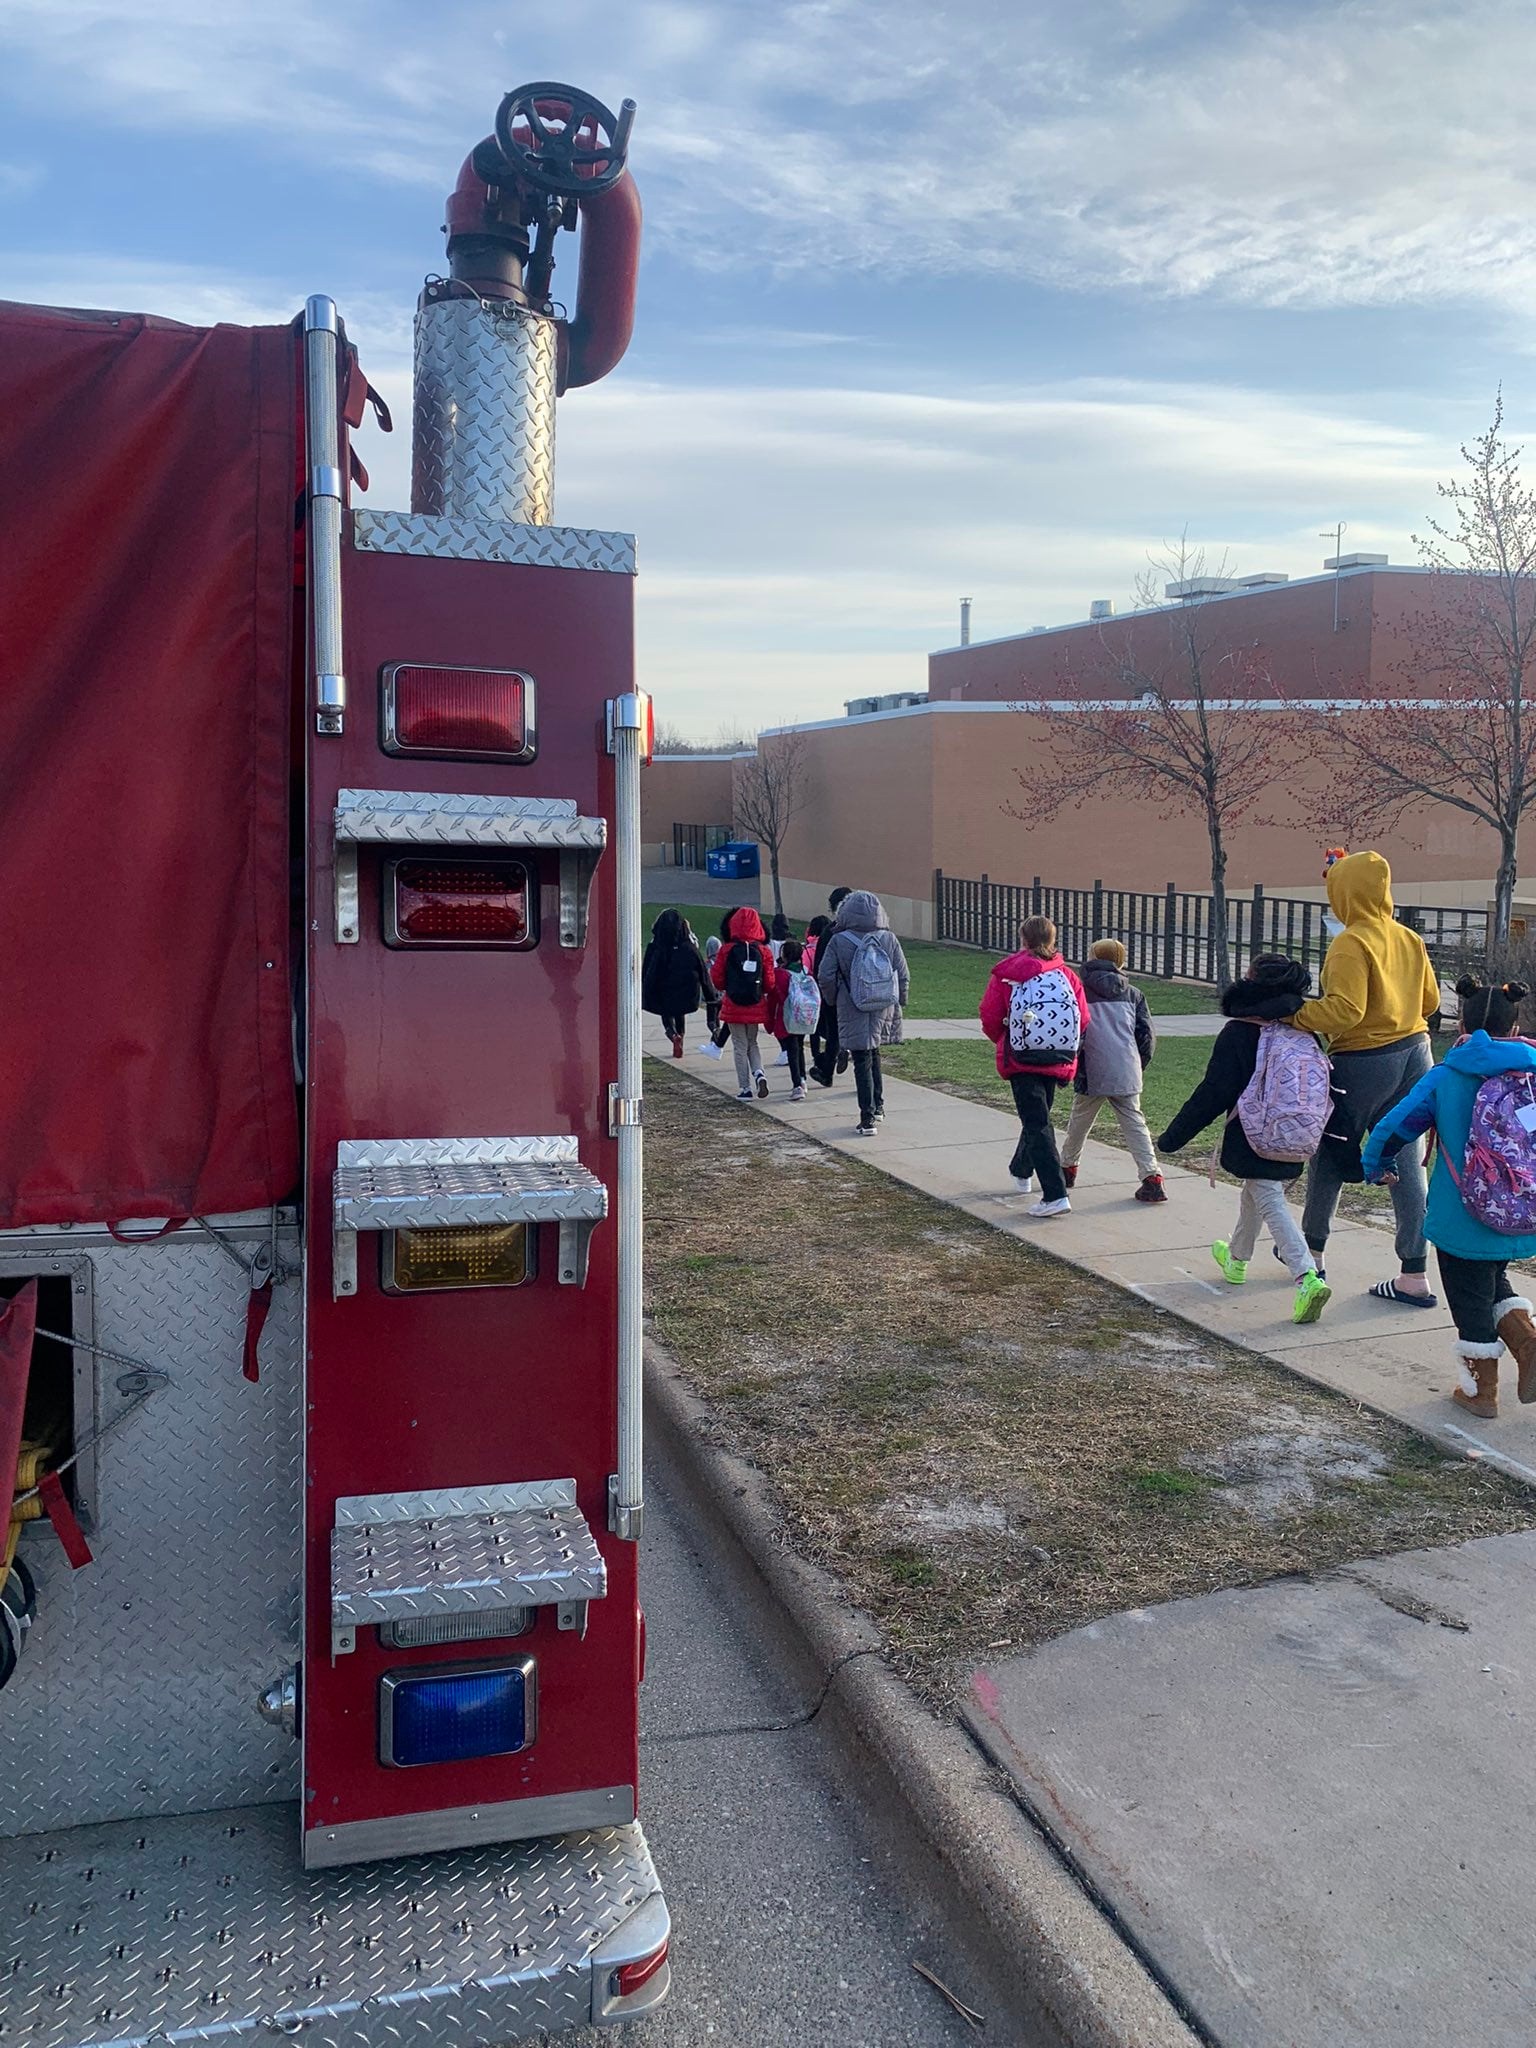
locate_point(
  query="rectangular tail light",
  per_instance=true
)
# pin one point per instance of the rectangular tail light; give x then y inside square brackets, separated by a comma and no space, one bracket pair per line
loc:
[458,714]
[483,902]
[451,1713]
[465,1255]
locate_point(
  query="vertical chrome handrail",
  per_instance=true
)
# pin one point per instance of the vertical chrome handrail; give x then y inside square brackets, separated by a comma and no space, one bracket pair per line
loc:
[323,450]
[627,1488]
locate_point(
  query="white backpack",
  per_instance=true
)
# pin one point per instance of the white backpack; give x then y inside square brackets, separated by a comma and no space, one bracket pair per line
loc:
[1043,1016]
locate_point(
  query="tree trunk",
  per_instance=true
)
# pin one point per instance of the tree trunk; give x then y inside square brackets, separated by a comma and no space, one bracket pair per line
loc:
[1221,951]
[773,869]
[1503,898]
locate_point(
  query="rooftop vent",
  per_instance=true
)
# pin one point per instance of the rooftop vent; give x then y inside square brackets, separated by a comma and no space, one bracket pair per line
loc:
[1356,562]
[1102,608]
[1201,586]
[1264,578]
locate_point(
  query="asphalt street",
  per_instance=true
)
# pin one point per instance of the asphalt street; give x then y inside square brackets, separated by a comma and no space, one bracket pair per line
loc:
[791,1924]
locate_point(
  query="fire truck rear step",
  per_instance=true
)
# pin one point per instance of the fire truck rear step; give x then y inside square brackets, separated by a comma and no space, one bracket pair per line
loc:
[438,1183]
[397,1556]
[404,817]
[203,1927]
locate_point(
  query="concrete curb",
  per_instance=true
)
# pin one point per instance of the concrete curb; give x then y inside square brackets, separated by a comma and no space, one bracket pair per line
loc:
[1062,1961]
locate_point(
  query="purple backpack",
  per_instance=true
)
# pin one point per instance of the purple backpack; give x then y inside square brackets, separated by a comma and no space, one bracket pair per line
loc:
[1497,1182]
[1284,1109]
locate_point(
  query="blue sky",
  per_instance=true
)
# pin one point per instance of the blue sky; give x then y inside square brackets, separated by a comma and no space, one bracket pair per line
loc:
[979,300]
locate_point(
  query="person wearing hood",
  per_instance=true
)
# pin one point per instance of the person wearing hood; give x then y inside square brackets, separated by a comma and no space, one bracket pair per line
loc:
[1274,989]
[1034,1077]
[744,973]
[673,977]
[828,1057]
[1117,1049]
[1474,1257]
[862,974]
[1379,991]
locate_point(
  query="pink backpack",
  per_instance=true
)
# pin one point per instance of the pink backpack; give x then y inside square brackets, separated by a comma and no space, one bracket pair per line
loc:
[1497,1182]
[1284,1110]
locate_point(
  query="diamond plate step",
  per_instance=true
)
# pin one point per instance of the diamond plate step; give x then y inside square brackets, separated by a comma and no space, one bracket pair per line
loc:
[440,1183]
[204,1928]
[411,817]
[395,1556]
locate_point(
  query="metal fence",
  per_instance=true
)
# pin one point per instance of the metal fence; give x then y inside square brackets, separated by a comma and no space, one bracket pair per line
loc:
[1168,933]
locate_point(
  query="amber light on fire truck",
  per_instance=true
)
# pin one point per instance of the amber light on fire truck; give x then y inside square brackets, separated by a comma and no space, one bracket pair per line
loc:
[470,1255]
[458,713]
[482,902]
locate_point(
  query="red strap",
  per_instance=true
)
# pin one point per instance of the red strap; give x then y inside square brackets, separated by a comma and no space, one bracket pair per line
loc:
[18,1317]
[147,1236]
[257,1309]
[50,1490]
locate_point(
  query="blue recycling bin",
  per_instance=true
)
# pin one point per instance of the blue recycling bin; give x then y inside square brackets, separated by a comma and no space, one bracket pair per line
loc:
[736,861]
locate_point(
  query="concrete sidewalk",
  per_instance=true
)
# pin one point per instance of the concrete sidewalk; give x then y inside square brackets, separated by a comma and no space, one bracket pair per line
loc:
[1397,1360]
[1196,1024]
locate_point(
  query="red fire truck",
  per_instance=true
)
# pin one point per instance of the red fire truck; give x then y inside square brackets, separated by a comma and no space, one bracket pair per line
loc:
[320,1164]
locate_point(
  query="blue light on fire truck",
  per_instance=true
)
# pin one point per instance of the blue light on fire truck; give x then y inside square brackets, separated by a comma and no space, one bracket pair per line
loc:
[450,1713]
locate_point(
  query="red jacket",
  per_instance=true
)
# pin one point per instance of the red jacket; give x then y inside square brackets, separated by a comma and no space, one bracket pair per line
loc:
[746,925]
[994,1014]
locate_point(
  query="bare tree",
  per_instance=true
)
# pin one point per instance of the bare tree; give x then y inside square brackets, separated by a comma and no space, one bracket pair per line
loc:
[1167,709]
[1458,725]
[731,737]
[772,789]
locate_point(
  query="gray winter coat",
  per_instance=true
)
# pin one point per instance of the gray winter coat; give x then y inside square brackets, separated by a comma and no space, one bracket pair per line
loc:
[860,1030]
[1118,1042]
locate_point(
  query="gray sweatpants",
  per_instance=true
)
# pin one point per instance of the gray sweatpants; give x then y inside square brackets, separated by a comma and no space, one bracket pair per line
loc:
[1263,1201]
[1371,1083]
[744,1050]
[1133,1129]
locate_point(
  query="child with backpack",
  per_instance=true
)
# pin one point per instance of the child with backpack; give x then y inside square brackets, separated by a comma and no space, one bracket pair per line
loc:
[793,1011]
[719,1037]
[1271,1083]
[1117,1050]
[862,974]
[1481,1105]
[1035,1012]
[745,975]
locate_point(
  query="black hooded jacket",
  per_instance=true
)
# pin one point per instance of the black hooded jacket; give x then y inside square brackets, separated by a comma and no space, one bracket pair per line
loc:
[1228,1072]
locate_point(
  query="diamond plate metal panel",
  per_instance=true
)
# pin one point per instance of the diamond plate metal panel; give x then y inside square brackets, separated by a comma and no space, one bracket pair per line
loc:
[456,1500]
[137,1691]
[483,433]
[458,1564]
[443,1151]
[430,1195]
[404,817]
[203,1928]
[494,540]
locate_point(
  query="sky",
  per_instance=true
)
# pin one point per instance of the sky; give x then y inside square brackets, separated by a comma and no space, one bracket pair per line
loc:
[937,301]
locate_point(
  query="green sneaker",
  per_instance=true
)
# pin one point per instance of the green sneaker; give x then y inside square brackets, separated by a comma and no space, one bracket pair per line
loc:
[1233,1271]
[1313,1295]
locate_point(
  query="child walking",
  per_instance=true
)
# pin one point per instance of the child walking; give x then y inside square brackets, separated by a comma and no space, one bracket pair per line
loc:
[673,976]
[745,975]
[1481,1103]
[1037,1035]
[1116,1051]
[793,1011]
[1274,988]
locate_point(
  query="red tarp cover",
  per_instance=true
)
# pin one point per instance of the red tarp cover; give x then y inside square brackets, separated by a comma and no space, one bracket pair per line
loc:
[146,544]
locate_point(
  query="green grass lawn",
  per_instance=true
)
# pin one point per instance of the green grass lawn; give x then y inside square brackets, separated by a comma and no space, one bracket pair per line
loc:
[947,981]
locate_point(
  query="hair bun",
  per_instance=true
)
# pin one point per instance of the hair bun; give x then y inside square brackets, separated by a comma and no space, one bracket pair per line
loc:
[1516,991]
[1468,985]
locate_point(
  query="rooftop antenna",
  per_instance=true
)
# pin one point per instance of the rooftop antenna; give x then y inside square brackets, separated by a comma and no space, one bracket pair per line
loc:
[1336,535]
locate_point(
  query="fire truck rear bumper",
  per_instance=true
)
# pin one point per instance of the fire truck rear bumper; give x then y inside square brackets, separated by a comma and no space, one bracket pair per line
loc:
[203,1927]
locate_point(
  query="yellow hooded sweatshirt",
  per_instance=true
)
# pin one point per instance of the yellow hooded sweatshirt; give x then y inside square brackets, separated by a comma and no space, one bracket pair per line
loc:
[1378,985]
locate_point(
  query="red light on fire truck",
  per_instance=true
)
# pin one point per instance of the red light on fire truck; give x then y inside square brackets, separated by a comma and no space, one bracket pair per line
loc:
[478,714]
[437,903]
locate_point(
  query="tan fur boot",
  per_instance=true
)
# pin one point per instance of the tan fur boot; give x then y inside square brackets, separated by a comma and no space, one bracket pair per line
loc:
[1519,1333]
[1478,1373]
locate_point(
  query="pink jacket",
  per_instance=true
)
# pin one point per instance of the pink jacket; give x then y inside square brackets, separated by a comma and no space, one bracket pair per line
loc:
[994,1014]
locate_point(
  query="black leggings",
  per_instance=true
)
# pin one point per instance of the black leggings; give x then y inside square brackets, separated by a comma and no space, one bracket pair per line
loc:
[1473,1290]
[673,1026]
[795,1047]
[1036,1150]
[870,1082]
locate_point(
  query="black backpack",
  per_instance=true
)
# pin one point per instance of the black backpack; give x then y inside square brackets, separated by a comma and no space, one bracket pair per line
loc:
[744,977]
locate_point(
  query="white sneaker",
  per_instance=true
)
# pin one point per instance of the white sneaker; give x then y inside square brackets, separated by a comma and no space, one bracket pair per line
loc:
[782,1060]
[1024,1185]
[1061,1208]
[710,1050]
[797,1093]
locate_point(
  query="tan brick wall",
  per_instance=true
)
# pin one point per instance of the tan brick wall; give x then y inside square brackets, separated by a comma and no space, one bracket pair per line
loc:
[681,789]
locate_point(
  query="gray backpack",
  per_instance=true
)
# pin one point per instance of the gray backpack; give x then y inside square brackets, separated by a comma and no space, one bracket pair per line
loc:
[872,977]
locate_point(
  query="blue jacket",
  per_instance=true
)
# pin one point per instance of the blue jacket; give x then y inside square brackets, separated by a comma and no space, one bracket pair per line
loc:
[1444,1099]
